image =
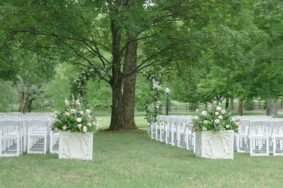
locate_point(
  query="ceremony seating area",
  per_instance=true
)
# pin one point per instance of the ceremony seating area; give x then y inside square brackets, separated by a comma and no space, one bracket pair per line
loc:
[258,135]
[26,132]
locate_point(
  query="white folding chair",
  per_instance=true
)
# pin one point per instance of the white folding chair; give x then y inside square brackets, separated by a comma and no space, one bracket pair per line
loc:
[152,130]
[277,138]
[242,141]
[189,137]
[173,132]
[10,138]
[161,127]
[37,136]
[259,134]
[166,132]
[181,132]
[54,142]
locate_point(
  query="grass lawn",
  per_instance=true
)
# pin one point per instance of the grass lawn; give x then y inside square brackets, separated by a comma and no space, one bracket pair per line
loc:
[131,159]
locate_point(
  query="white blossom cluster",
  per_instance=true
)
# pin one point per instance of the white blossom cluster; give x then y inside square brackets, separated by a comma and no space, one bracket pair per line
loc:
[156,85]
[75,118]
[215,118]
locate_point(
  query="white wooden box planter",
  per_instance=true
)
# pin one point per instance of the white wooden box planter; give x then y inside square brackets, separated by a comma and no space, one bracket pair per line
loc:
[75,145]
[215,145]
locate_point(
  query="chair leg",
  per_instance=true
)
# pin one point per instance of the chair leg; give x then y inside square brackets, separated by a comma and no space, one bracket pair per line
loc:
[18,145]
[251,146]
[28,144]
[274,146]
[172,138]
[267,146]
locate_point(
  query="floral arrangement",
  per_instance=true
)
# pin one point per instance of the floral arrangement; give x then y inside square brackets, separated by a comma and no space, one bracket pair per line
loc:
[215,118]
[74,118]
[78,85]
[154,107]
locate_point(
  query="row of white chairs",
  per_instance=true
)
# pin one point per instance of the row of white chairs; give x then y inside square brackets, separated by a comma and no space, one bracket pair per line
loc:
[258,135]
[29,134]
[174,131]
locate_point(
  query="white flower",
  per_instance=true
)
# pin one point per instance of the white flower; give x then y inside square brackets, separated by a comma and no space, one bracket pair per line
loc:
[220,117]
[55,112]
[88,111]
[66,102]
[79,120]
[65,127]
[205,122]
[89,124]
[56,129]
[217,121]
[79,126]
[67,113]
[223,111]
[227,126]
[85,128]
[209,107]
[81,112]
[197,110]
[237,124]
[204,113]
[204,128]
[217,113]
[78,102]
[73,111]
[218,108]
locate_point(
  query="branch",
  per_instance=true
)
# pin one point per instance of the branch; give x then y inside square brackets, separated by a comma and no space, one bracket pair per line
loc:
[68,45]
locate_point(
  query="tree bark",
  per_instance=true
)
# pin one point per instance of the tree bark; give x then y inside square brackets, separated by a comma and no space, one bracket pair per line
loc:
[28,105]
[232,103]
[274,109]
[129,83]
[268,106]
[116,81]
[271,108]
[123,83]
[227,103]
[240,108]
[22,101]
[117,108]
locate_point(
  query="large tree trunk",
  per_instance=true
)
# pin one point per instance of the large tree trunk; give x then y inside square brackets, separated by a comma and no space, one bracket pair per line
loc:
[123,84]
[117,108]
[116,81]
[129,83]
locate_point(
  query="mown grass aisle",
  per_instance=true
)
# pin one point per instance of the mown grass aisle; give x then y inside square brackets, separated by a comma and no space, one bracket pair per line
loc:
[131,159]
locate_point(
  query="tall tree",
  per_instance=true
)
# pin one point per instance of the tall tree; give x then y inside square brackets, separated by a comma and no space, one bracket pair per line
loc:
[115,38]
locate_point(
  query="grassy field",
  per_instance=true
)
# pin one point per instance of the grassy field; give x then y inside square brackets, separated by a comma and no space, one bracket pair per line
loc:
[131,159]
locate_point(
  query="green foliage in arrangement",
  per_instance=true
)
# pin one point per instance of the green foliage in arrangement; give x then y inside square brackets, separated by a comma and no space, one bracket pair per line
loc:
[75,118]
[214,118]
